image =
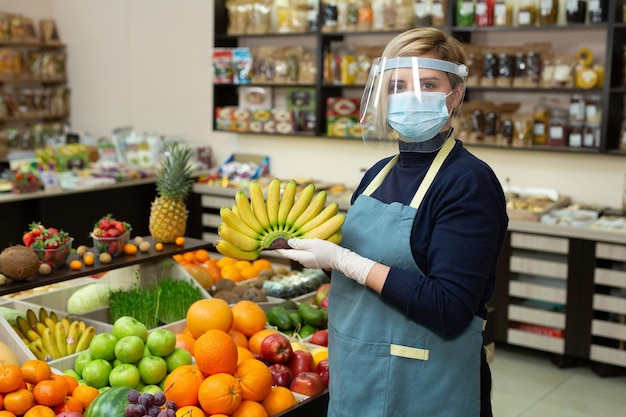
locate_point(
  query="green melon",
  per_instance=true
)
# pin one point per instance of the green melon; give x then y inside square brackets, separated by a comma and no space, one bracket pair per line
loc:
[111,403]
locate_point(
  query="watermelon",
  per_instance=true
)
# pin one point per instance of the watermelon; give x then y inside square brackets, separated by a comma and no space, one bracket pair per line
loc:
[110,403]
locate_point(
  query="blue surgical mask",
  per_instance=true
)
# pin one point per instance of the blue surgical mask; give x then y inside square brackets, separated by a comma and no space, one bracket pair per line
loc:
[417,120]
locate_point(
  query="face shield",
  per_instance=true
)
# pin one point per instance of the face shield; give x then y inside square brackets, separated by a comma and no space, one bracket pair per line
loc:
[409,99]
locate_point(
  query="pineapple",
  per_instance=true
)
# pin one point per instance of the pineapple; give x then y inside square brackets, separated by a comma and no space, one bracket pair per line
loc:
[168,214]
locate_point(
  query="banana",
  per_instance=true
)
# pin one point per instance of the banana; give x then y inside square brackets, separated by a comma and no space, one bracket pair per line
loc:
[228,249]
[53,316]
[22,324]
[60,337]
[39,352]
[257,202]
[245,212]
[233,220]
[85,338]
[43,313]
[66,324]
[32,335]
[238,239]
[49,343]
[299,205]
[50,323]
[39,328]
[286,202]
[272,202]
[313,209]
[19,332]
[31,317]
[72,337]
[336,238]
[82,326]
[328,212]
[326,229]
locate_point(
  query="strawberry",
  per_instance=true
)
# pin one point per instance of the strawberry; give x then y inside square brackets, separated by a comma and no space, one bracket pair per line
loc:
[28,239]
[119,226]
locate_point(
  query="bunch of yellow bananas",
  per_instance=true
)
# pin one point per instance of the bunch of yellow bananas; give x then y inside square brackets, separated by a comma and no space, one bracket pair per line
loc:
[50,337]
[255,224]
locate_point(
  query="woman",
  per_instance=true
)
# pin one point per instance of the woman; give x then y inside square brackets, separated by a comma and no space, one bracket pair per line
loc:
[421,241]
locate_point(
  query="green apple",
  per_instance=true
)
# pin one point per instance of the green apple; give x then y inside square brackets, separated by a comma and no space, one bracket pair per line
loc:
[129,326]
[151,388]
[161,342]
[96,373]
[178,358]
[129,349]
[81,360]
[152,369]
[102,346]
[124,375]
[72,373]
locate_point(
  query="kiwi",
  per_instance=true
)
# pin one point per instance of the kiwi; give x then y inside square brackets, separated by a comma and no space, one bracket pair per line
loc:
[19,262]
[254,294]
[227,296]
[225,284]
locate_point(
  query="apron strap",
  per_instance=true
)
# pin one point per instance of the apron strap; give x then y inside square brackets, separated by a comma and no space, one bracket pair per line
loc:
[428,179]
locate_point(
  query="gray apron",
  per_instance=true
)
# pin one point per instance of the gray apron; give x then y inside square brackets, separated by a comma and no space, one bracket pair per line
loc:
[382,363]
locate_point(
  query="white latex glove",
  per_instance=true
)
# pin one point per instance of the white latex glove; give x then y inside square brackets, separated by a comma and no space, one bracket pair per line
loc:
[318,253]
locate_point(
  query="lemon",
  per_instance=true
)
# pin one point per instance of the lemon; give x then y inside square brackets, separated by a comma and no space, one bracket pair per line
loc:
[318,354]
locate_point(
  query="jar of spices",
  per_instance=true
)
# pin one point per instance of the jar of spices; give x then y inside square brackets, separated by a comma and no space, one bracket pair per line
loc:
[591,136]
[465,13]
[557,127]
[577,108]
[438,11]
[593,112]
[527,13]
[541,118]
[575,11]
[421,9]
[484,12]
[598,11]
[503,13]
[575,138]
[490,69]
[548,12]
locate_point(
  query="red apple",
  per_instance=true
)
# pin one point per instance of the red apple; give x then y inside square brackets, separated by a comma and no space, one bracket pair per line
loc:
[307,383]
[322,370]
[321,293]
[320,337]
[276,348]
[324,303]
[281,374]
[301,361]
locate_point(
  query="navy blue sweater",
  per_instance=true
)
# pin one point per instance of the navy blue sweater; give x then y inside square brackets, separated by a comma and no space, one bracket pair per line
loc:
[456,238]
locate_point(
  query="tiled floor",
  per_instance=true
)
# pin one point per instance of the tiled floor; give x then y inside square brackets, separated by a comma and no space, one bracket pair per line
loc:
[527,384]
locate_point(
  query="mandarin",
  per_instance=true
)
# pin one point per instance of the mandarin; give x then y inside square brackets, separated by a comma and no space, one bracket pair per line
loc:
[50,392]
[278,400]
[249,408]
[19,401]
[69,404]
[11,378]
[39,410]
[182,384]
[6,413]
[255,379]
[85,394]
[35,370]
[220,393]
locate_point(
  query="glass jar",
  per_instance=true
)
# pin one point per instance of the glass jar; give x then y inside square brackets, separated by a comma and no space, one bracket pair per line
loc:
[438,12]
[593,111]
[598,11]
[575,137]
[503,13]
[527,13]
[541,118]
[548,12]
[484,12]
[591,136]
[423,17]
[557,127]
[575,11]
[577,109]
[465,13]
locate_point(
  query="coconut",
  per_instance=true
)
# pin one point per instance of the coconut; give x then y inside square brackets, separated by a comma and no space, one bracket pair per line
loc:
[18,262]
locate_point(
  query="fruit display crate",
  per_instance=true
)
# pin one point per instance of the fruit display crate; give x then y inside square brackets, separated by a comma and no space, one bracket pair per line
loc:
[23,353]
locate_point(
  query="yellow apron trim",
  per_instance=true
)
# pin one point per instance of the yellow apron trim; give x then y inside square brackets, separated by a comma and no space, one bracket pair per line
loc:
[442,154]
[409,352]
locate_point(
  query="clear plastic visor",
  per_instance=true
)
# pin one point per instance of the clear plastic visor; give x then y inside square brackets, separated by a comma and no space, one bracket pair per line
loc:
[405,98]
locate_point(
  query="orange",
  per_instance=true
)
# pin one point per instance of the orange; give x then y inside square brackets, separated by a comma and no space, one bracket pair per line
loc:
[248,317]
[72,383]
[180,241]
[243,354]
[209,313]
[19,401]
[50,392]
[185,341]
[255,379]
[89,260]
[158,246]
[85,394]
[226,260]
[239,338]
[190,411]
[202,255]
[1,402]
[6,413]
[231,272]
[249,272]
[189,257]
[64,379]
[187,331]
[40,411]
[76,265]
[35,370]
[130,249]
[220,393]
[254,341]
[215,351]
[182,384]
[70,404]
[278,400]
[261,264]
[11,378]
[241,265]
[249,408]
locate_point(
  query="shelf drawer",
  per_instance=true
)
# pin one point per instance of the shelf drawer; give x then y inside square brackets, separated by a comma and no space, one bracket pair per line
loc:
[607,355]
[610,251]
[609,303]
[535,341]
[216,202]
[610,277]
[537,316]
[537,292]
[211,220]
[610,330]
[539,243]
[539,267]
